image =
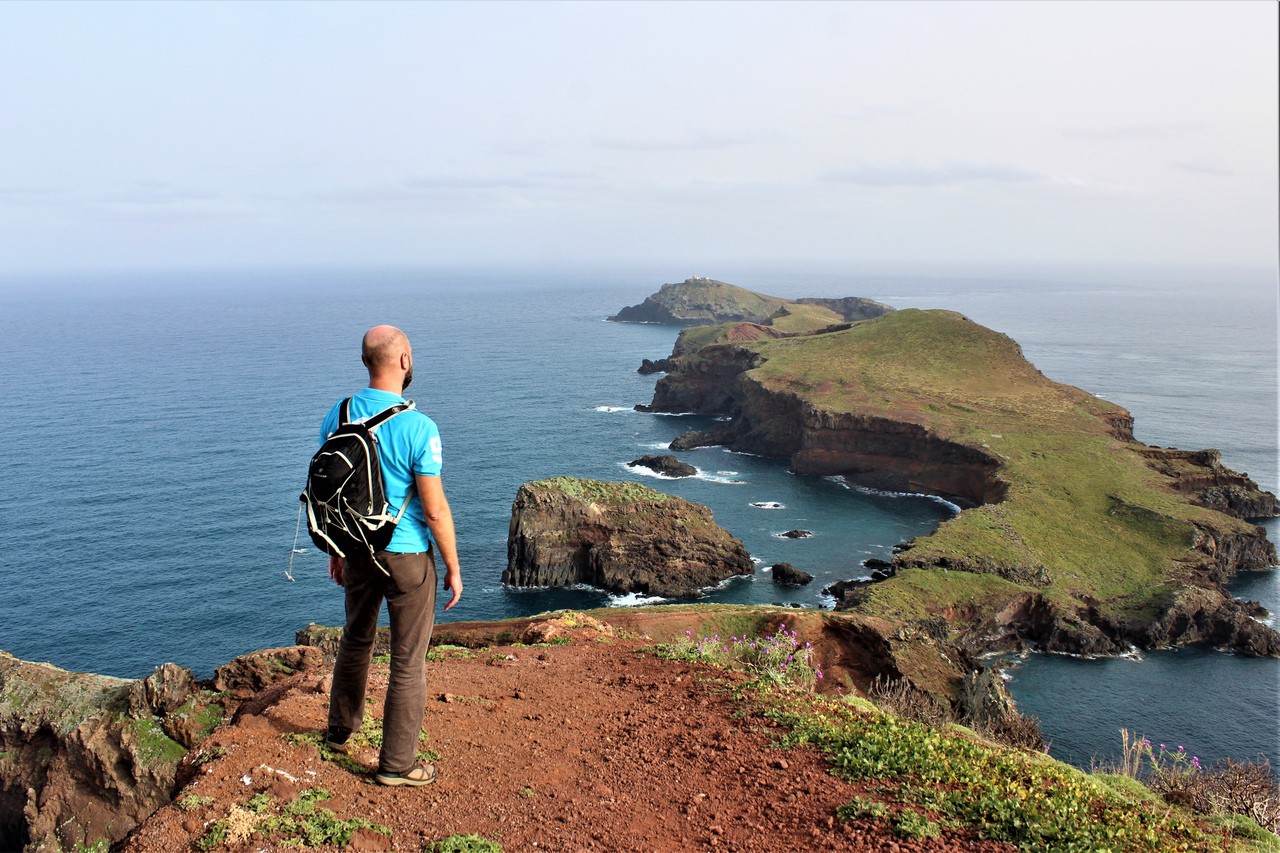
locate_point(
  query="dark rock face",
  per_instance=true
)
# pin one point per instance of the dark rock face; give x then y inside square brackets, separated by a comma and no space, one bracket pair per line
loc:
[786,574]
[648,366]
[620,537]
[797,534]
[875,452]
[1191,615]
[706,385]
[1200,473]
[667,466]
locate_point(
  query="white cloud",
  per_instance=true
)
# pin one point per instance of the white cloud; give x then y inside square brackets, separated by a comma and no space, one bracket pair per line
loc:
[889,176]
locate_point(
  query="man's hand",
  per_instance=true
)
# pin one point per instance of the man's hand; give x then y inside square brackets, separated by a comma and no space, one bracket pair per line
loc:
[337,566]
[453,583]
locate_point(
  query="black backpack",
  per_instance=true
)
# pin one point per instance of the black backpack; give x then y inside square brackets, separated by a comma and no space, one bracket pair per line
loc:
[347,507]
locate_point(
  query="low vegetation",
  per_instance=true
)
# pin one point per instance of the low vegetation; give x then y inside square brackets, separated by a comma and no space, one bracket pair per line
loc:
[923,779]
[297,823]
[596,491]
[463,844]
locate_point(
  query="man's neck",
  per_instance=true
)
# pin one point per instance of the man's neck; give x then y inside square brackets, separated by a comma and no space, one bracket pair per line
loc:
[391,386]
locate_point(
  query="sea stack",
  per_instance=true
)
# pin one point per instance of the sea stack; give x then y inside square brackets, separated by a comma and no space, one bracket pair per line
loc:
[620,537]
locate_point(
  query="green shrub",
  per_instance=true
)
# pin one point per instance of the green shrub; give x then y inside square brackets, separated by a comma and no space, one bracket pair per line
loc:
[463,844]
[861,808]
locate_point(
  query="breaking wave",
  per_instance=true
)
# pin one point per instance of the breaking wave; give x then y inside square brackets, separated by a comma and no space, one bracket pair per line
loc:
[867,490]
[634,599]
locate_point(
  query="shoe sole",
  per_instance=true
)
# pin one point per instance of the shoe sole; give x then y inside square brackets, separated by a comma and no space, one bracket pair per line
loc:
[343,748]
[396,779]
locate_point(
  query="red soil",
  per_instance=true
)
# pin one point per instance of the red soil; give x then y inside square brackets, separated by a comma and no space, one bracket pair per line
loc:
[594,745]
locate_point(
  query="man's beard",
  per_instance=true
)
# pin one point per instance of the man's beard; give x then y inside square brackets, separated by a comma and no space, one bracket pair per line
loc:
[408,378]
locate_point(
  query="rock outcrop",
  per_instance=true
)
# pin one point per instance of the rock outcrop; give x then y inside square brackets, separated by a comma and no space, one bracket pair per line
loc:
[785,574]
[620,537]
[1201,474]
[85,758]
[667,466]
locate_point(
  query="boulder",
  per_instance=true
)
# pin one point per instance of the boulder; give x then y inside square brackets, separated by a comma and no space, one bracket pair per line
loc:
[667,466]
[620,537]
[786,574]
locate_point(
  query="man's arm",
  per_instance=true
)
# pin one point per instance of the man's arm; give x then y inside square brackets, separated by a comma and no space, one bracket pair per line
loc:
[439,518]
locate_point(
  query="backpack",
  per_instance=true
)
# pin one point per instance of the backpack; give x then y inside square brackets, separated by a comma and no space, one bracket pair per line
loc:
[346,503]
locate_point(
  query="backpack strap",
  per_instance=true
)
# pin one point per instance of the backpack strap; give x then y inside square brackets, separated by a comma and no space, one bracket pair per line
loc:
[387,414]
[344,412]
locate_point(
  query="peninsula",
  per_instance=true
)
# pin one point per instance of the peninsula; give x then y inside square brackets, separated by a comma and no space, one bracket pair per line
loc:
[1076,537]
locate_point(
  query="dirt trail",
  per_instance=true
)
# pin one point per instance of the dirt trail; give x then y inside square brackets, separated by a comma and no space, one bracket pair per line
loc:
[593,745]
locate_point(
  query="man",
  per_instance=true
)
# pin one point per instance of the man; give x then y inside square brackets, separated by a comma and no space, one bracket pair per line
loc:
[410,452]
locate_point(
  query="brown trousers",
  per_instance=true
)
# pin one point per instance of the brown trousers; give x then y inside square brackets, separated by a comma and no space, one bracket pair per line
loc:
[410,593]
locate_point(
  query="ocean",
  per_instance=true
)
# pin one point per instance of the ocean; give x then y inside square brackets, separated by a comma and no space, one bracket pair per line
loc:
[160,426]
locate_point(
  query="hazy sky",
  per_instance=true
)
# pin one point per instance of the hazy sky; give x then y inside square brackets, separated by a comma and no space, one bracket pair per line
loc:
[236,134]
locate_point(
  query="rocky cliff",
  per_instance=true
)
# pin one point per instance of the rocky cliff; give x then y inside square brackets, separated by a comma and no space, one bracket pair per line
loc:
[85,758]
[621,537]
[1075,538]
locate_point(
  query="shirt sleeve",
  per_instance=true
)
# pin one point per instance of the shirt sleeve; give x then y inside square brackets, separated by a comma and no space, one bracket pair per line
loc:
[330,422]
[428,458]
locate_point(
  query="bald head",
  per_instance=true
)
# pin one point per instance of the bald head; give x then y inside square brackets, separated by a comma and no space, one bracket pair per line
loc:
[385,351]
[382,346]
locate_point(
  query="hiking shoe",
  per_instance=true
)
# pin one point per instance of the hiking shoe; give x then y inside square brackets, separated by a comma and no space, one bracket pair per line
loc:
[423,774]
[338,742]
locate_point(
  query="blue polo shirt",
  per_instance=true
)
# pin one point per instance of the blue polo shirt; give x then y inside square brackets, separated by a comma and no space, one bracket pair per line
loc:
[408,445]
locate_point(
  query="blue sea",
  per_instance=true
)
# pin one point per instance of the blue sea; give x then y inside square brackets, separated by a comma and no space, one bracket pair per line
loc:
[160,424]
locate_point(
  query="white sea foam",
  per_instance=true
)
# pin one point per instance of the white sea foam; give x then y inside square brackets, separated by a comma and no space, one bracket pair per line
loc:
[720,477]
[647,472]
[612,409]
[634,599]
[655,445]
[301,550]
[867,490]
[768,505]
